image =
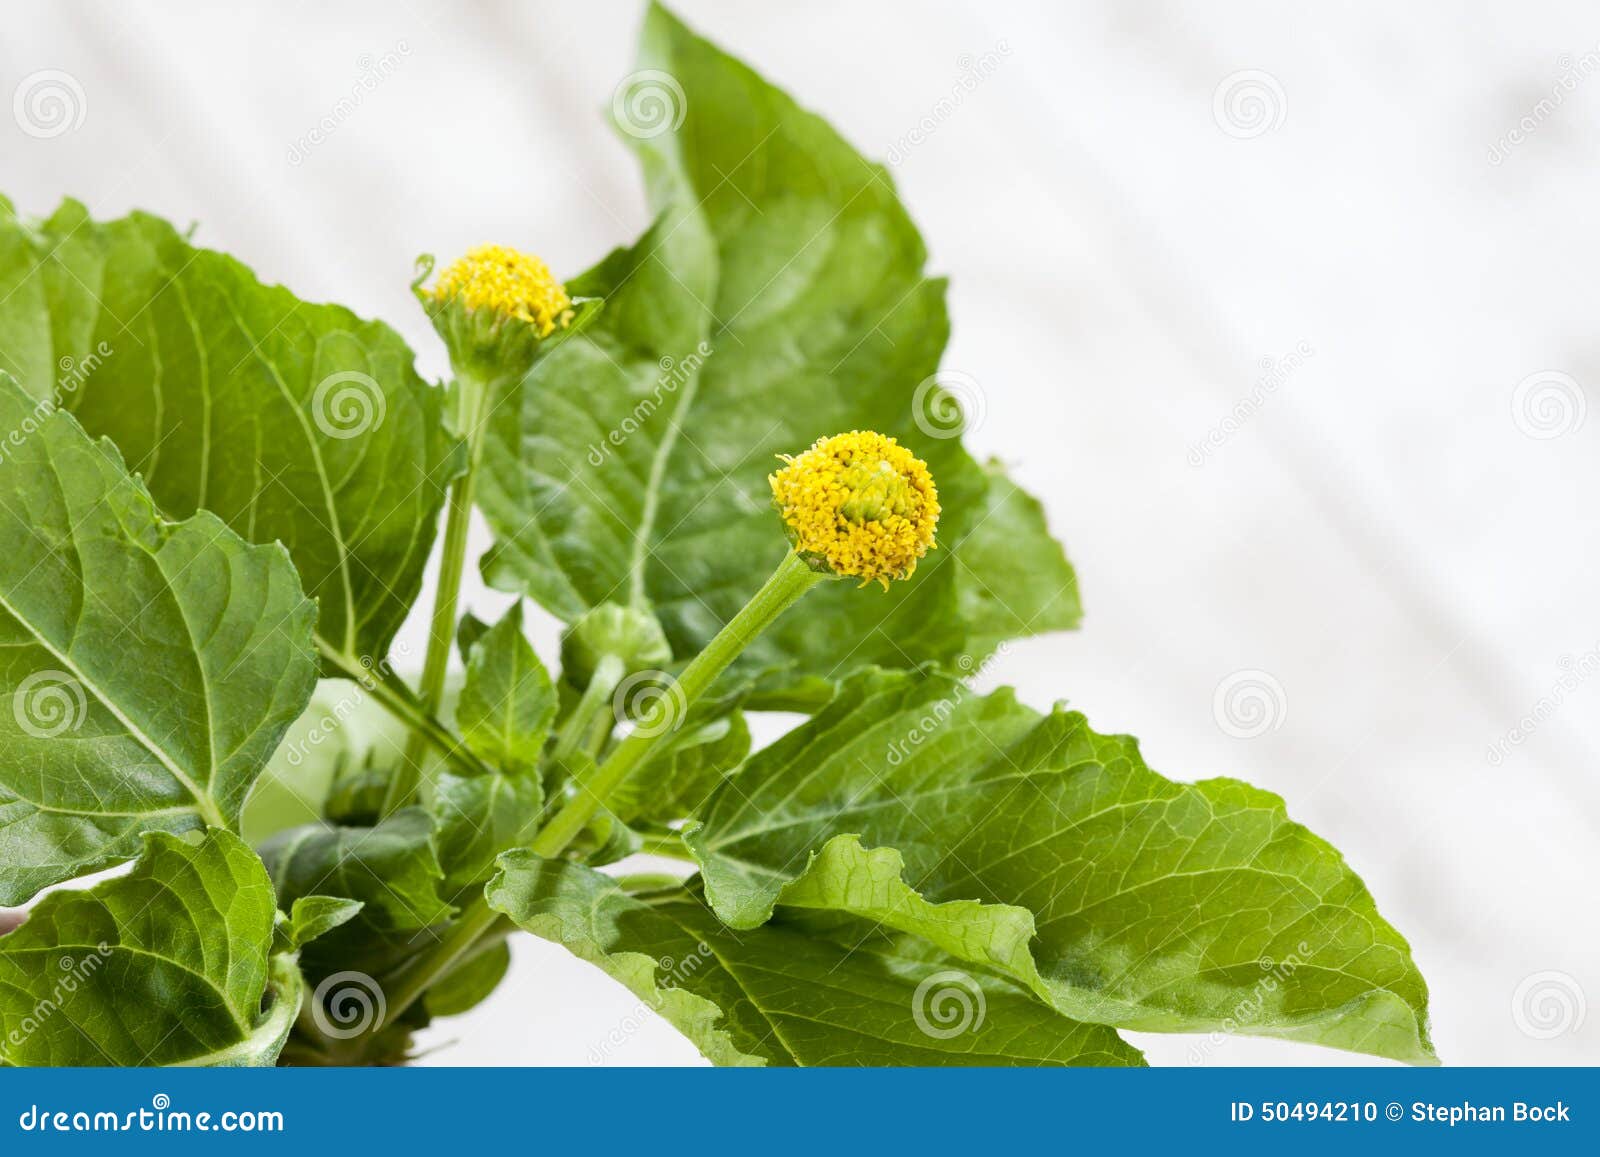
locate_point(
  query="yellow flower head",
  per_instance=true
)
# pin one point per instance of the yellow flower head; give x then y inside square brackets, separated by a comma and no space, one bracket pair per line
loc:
[858,504]
[509,284]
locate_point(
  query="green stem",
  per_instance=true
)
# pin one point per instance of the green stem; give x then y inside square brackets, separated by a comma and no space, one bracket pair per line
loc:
[475,921]
[596,699]
[398,703]
[472,397]
[792,579]
[669,846]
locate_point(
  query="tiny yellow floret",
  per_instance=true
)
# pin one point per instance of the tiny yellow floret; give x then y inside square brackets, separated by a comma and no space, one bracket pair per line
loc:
[858,504]
[508,283]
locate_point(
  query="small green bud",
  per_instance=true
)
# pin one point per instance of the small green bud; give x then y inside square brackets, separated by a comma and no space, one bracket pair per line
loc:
[632,635]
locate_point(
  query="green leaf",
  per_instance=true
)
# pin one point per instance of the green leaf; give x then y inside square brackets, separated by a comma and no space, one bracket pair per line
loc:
[314,916]
[779,297]
[469,983]
[1014,579]
[293,422]
[508,701]
[391,868]
[149,667]
[676,783]
[478,817]
[775,995]
[1150,905]
[167,965]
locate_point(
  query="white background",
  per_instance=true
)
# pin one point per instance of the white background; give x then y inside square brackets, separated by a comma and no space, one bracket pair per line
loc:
[1381,535]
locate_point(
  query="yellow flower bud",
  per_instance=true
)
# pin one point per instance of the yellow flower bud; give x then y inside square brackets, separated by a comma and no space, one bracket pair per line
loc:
[507,283]
[859,505]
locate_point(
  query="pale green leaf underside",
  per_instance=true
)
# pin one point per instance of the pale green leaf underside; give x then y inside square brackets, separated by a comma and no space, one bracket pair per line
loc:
[775,995]
[633,461]
[1149,904]
[291,421]
[166,965]
[148,668]
[312,916]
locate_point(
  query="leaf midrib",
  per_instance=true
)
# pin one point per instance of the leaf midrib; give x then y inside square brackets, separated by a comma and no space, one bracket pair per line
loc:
[205,806]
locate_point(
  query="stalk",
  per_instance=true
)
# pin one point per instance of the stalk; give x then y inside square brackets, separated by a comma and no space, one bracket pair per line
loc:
[399,704]
[477,919]
[596,699]
[472,394]
[792,579]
